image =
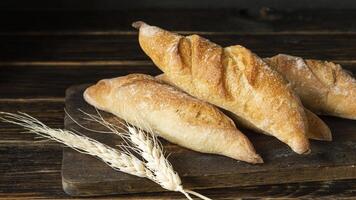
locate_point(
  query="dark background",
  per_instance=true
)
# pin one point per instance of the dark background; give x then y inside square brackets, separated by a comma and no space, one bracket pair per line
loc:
[183,15]
[96,5]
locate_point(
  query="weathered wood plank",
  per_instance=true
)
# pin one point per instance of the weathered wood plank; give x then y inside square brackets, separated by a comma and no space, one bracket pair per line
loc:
[35,82]
[26,169]
[49,112]
[39,81]
[46,186]
[220,20]
[120,47]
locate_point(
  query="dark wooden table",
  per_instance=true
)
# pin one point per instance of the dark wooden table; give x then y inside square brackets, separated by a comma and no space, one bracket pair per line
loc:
[43,53]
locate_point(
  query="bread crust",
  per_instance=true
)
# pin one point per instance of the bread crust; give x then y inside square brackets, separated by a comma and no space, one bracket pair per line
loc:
[172,114]
[324,87]
[317,129]
[232,78]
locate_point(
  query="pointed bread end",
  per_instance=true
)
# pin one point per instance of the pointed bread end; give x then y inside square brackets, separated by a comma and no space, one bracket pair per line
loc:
[138,24]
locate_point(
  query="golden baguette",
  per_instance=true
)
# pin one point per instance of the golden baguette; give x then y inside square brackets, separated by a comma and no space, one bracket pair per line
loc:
[324,87]
[317,129]
[174,115]
[232,78]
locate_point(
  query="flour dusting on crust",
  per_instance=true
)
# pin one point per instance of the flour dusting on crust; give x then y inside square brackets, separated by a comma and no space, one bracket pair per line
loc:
[300,64]
[149,31]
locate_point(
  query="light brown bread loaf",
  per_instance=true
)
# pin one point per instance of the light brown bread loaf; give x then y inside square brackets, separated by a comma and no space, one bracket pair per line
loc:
[232,78]
[172,114]
[324,87]
[317,129]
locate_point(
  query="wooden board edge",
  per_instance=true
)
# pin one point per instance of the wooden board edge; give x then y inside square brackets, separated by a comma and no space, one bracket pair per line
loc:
[77,189]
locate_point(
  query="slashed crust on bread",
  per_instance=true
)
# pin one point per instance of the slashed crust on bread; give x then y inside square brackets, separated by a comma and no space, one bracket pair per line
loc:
[324,87]
[232,78]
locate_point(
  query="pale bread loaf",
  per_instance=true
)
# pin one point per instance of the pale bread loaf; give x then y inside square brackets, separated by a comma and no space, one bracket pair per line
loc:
[172,114]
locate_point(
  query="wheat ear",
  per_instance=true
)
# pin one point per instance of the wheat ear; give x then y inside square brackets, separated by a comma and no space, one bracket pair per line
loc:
[148,146]
[118,160]
[156,168]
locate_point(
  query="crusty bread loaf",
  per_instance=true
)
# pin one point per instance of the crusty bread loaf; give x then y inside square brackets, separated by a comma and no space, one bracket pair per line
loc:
[317,129]
[172,114]
[324,87]
[232,78]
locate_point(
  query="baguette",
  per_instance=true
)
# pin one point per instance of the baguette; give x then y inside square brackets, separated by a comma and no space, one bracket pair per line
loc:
[324,87]
[317,129]
[174,115]
[232,78]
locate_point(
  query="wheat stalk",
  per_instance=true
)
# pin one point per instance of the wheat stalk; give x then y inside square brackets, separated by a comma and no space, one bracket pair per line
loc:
[164,174]
[118,160]
[156,168]
[148,146]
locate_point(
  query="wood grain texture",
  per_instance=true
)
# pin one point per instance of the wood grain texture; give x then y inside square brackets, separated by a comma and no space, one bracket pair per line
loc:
[83,175]
[30,170]
[262,19]
[49,112]
[53,80]
[119,47]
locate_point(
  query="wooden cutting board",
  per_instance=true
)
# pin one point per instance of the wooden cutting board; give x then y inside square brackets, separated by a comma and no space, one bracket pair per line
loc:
[83,175]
